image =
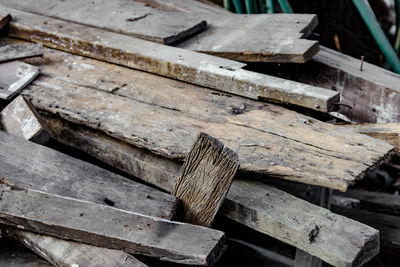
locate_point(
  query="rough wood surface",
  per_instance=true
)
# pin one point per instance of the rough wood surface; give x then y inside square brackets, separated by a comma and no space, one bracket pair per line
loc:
[20,118]
[207,175]
[123,16]
[69,253]
[28,165]
[14,76]
[4,19]
[197,68]
[105,226]
[17,51]
[389,132]
[274,214]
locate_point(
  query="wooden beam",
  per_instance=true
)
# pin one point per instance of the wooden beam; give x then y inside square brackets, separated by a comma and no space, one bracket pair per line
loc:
[14,76]
[28,165]
[197,68]
[105,226]
[4,19]
[69,253]
[20,118]
[207,175]
[340,240]
[16,51]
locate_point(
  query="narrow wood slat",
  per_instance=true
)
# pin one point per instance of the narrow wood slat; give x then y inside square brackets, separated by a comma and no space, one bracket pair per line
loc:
[16,51]
[197,68]
[109,227]
[207,175]
[268,210]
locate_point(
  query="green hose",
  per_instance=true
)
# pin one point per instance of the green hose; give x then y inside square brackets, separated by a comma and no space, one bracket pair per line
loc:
[238,6]
[380,38]
[397,42]
[286,8]
[270,6]
[228,5]
[250,6]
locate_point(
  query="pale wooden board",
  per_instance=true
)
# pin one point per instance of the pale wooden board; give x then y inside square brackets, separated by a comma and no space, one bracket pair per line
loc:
[207,175]
[17,51]
[29,165]
[163,173]
[69,253]
[124,16]
[109,227]
[197,68]
[14,76]
[4,19]
[20,118]
[252,124]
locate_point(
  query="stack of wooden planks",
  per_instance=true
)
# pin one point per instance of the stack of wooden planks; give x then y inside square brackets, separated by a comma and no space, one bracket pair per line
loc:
[111,88]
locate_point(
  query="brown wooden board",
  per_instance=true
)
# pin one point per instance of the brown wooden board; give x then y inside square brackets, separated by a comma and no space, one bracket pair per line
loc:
[4,19]
[197,68]
[28,165]
[271,216]
[14,76]
[105,226]
[69,253]
[207,175]
[268,139]
[124,16]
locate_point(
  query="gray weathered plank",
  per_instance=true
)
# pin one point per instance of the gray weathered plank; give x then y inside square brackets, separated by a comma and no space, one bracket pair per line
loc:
[207,175]
[4,19]
[258,206]
[197,68]
[14,76]
[20,118]
[10,52]
[124,16]
[69,253]
[105,226]
[28,165]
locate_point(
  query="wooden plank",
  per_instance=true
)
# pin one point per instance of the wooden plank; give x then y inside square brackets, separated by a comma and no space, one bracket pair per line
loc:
[197,68]
[105,226]
[14,76]
[17,51]
[69,253]
[4,19]
[253,204]
[157,128]
[20,118]
[207,175]
[389,132]
[123,16]
[28,165]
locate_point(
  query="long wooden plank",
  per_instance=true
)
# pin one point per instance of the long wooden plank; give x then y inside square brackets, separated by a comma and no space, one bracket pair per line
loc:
[105,226]
[240,205]
[207,175]
[17,51]
[69,253]
[124,16]
[28,165]
[196,68]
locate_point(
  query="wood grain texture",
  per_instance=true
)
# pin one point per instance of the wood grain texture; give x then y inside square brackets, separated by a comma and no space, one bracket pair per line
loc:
[28,165]
[123,16]
[14,76]
[207,175]
[17,51]
[197,68]
[105,226]
[272,212]
[20,118]
[388,132]
[4,19]
[69,253]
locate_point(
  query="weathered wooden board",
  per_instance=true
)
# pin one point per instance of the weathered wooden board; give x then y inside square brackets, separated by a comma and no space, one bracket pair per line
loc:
[105,226]
[28,165]
[197,68]
[389,132]
[207,175]
[14,76]
[268,139]
[124,16]
[18,51]
[20,118]
[271,212]
[69,253]
[4,19]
